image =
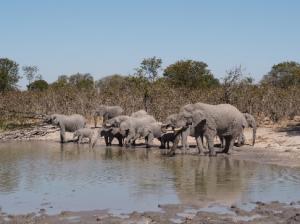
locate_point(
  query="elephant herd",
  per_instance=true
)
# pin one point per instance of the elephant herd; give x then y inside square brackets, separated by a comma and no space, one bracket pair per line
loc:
[199,120]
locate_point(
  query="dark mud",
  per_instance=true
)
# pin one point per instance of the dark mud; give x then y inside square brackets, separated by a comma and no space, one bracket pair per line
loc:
[263,213]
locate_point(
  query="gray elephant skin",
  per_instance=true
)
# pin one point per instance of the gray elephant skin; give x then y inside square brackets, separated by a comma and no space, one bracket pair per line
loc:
[106,112]
[149,132]
[252,124]
[129,127]
[205,120]
[83,133]
[69,123]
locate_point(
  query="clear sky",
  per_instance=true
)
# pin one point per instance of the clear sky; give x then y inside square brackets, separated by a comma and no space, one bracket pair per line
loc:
[113,36]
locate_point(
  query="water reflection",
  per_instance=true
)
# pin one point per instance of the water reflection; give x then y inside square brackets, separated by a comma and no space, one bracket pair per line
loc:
[33,174]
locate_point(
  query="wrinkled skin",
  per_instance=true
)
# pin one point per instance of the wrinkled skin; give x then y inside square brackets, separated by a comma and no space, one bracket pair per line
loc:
[109,134]
[67,123]
[149,132]
[139,113]
[107,112]
[83,133]
[252,124]
[129,128]
[205,120]
[116,121]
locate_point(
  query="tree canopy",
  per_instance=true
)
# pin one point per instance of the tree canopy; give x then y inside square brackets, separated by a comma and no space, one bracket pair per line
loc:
[283,75]
[38,85]
[78,80]
[9,77]
[189,73]
[149,68]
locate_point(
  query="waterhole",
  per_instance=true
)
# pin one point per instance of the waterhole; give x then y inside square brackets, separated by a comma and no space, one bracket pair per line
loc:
[54,177]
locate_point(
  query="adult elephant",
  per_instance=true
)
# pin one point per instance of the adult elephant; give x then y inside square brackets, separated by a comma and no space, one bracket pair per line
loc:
[130,127]
[107,112]
[205,120]
[69,123]
[149,132]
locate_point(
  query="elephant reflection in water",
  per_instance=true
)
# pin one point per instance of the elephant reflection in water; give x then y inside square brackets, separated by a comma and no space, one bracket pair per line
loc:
[200,179]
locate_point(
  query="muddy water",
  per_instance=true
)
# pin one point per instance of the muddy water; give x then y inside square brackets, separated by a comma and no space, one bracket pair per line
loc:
[35,175]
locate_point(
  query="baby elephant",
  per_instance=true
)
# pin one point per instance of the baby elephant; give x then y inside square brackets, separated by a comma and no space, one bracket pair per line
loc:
[109,134]
[166,138]
[83,133]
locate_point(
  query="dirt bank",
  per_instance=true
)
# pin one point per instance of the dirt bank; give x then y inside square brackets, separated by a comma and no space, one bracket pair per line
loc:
[273,212]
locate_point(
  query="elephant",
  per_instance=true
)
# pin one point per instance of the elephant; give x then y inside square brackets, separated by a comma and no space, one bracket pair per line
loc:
[205,120]
[139,113]
[68,123]
[252,124]
[149,132]
[129,128]
[166,138]
[107,112]
[109,134]
[115,122]
[83,133]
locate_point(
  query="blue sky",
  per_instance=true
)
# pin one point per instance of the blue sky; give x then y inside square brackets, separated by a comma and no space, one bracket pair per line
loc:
[113,36]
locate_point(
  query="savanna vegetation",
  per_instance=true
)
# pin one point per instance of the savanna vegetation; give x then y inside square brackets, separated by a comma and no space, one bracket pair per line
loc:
[159,91]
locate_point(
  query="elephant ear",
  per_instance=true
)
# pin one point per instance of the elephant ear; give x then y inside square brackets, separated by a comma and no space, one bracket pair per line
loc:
[187,114]
[199,116]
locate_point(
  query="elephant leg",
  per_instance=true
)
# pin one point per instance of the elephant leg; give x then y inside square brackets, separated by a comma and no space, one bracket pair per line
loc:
[171,152]
[120,139]
[129,139]
[211,147]
[199,140]
[221,141]
[229,142]
[150,138]
[106,140]
[62,135]
[110,139]
[184,140]
[80,139]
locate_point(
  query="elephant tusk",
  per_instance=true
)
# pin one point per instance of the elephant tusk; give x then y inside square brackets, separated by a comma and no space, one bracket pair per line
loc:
[177,129]
[107,125]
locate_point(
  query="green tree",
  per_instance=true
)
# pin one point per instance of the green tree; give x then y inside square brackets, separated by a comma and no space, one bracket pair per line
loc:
[38,85]
[30,72]
[8,74]
[112,81]
[149,68]
[82,80]
[189,73]
[283,75]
